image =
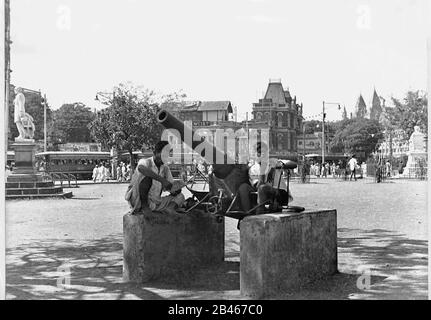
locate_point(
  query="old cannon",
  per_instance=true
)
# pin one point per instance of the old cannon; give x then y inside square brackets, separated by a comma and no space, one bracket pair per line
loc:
[227,177]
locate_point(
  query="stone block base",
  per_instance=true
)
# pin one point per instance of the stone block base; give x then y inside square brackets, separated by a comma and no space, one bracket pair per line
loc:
[160,245]
[282,252]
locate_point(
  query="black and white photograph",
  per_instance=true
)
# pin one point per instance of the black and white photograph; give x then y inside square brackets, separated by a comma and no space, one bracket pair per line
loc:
[201,150]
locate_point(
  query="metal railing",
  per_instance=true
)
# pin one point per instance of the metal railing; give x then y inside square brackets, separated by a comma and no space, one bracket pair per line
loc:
[64,177]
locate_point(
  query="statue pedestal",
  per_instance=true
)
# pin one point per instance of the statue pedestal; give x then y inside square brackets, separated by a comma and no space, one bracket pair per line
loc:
[25,182]
[25,151]
[415,161]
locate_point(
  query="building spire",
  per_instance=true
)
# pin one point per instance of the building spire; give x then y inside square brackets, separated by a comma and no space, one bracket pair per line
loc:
[360,108]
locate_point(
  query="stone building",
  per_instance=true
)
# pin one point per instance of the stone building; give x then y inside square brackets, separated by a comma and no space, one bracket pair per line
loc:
[202,113]
[282,115]
[208,115]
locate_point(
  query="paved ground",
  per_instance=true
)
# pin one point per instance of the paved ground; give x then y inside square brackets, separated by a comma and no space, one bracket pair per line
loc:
[382,227]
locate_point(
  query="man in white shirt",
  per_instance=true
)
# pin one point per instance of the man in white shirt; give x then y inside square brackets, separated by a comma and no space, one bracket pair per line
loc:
[95,174]
[150,178]
[352,165]
[267,182]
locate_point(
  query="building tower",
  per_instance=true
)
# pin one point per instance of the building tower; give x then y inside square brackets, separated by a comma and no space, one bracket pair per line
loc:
[376,108]
[360,108]
[282,115]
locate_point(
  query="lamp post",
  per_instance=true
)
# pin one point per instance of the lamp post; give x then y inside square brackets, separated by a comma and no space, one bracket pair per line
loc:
[323,126]
[106,97]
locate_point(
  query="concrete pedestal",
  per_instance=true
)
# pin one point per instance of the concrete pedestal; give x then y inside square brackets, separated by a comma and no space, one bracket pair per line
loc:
[25,182]
[25,151]
[158,245]
[282,252]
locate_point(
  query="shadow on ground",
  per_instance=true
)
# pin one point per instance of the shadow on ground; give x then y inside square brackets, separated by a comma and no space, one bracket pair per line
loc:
[403,261]
[39,270]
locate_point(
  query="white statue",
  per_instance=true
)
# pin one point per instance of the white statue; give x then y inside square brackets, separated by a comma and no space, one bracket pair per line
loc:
[23,121]
[417,140]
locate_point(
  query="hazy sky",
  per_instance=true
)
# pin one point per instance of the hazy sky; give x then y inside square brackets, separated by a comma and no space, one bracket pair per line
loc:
[221,50]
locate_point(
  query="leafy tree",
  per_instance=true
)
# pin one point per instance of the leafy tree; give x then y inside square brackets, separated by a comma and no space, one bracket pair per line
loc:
[71,123]
[314,126]
[129,122]
[357,135]
[410,112]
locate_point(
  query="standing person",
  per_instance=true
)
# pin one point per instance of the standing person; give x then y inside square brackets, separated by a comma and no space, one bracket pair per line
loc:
[106,173]
[388,168]
[123,171]
[100,173]
[95,173]
[128,172]
[333,169]
[118,173]
[352,166]
[364,169]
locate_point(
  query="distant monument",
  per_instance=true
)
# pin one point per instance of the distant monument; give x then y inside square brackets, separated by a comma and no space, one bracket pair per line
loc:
[417,154]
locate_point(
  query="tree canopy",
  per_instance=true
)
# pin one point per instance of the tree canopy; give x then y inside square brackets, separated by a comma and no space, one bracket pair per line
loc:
[313,126]
[409,112]
[129,122]
[357,135]
[71,123]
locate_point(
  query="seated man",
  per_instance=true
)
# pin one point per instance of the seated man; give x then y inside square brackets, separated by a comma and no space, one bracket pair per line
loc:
[268,183]
[150,178]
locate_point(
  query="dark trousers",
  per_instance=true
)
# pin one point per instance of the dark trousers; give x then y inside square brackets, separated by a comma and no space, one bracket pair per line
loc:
[144,189]
[353,174]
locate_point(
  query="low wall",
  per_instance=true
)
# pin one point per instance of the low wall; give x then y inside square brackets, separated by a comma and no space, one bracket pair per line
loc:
[166,245]
[282,252]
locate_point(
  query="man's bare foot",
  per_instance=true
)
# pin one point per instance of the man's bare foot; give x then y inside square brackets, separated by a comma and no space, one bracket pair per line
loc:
[143,210]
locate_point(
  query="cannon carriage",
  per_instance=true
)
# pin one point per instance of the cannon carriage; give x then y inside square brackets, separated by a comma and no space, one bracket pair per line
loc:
[226,178]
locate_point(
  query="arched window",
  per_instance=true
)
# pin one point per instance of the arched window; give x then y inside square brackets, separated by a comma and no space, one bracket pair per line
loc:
[259,115]
[280,119]
[280,142]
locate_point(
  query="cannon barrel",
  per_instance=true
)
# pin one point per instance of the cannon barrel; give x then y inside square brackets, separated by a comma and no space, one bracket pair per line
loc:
[169,121]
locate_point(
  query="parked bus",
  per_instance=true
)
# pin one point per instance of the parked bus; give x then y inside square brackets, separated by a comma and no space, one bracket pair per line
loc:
[80,164]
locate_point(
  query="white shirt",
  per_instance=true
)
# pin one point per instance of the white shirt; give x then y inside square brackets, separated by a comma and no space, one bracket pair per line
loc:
[154,195]
[256,170]
[353,163]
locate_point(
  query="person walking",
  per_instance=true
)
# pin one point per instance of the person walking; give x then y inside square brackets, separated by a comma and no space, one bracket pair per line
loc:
[123,172]
[118,173]
[388,168]
[353,163]
[95,174]
[101,173]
